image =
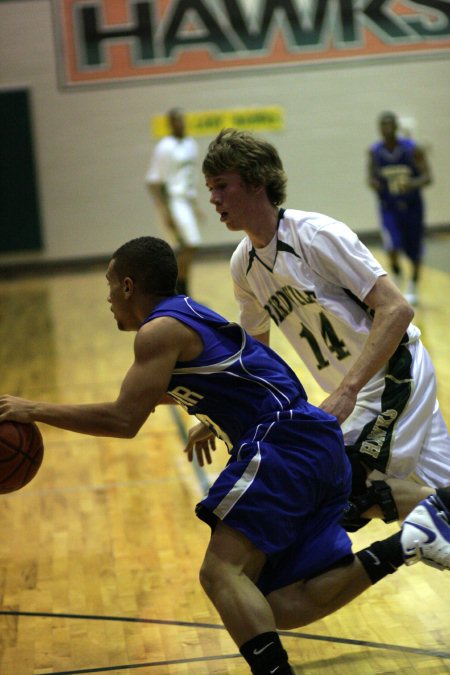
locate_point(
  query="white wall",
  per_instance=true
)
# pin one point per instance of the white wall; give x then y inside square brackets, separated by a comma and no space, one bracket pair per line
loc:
[92,146]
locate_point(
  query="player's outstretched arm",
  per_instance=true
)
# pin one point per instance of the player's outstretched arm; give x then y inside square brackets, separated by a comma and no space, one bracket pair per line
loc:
[157,346]
[96,419]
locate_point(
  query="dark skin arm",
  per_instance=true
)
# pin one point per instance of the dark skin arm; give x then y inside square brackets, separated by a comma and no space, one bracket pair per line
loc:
[158,345]
[424,178]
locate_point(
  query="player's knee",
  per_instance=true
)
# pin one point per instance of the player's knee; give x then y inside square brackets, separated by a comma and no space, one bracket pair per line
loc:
[207,578]
[214,575]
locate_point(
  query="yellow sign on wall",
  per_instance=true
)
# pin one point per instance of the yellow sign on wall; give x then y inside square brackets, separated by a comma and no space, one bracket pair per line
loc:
[210,122]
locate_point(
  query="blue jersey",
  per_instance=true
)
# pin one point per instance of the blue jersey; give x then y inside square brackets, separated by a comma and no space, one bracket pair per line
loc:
[392,169]
[287,482]
[236,382]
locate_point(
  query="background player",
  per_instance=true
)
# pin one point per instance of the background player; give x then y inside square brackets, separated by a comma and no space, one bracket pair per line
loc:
[171,179]
[278,556]
[397,170]
[311,276]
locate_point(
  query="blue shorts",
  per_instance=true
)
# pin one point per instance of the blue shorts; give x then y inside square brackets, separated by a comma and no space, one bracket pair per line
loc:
[403,228]
[285,489]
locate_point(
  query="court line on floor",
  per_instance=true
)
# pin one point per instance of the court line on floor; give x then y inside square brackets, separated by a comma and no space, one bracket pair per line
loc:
[204,485]
[150,664]
[216,626]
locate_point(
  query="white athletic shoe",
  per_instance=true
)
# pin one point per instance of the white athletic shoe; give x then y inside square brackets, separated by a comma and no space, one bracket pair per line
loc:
[426,535]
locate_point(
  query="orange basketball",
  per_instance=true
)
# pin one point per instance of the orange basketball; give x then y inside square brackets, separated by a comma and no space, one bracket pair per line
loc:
[21,453]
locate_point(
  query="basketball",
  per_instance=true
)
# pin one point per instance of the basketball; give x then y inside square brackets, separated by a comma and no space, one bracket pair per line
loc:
[21,453]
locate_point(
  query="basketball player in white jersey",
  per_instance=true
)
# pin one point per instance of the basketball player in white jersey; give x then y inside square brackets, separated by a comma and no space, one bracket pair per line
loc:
[311,276]
[171,180]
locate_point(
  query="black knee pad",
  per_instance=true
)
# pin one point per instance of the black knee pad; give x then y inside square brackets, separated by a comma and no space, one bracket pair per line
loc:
[351,520]
[378,493]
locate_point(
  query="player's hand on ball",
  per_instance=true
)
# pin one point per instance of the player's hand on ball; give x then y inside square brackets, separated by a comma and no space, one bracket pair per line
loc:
[14,408]
[21,454]
[201,440]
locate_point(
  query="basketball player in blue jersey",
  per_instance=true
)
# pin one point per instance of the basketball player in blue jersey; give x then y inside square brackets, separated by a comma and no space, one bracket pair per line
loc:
[311,276]
[397,171]
[278,556]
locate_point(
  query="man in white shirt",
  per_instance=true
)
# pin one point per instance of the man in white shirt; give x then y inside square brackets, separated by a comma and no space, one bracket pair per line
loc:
[171,179]
[312,277]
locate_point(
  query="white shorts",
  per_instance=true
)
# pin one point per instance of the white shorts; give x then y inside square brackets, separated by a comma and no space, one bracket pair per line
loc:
[184,217]
[410,439]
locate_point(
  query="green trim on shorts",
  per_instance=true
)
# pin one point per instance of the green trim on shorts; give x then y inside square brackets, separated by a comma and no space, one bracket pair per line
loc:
[373,446]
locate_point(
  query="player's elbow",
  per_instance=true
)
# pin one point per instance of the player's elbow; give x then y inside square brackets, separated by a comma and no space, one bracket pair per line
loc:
[127,417]
[130,432]
[127,427]
[132,428]
[404,313]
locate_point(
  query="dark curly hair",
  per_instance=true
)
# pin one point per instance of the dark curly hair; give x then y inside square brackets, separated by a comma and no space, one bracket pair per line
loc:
[256,161]
[150,262]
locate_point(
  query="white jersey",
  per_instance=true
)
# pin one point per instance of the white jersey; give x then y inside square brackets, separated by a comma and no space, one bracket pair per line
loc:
[174,164]
[311,281]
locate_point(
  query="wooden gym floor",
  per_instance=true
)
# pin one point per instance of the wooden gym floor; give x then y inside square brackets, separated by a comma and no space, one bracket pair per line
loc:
[99,554]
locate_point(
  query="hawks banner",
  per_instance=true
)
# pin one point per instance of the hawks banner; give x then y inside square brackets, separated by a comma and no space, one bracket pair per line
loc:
[102,41]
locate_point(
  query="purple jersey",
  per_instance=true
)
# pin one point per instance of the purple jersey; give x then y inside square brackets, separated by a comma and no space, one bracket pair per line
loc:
[236,382]
[392,168]
[287,482]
